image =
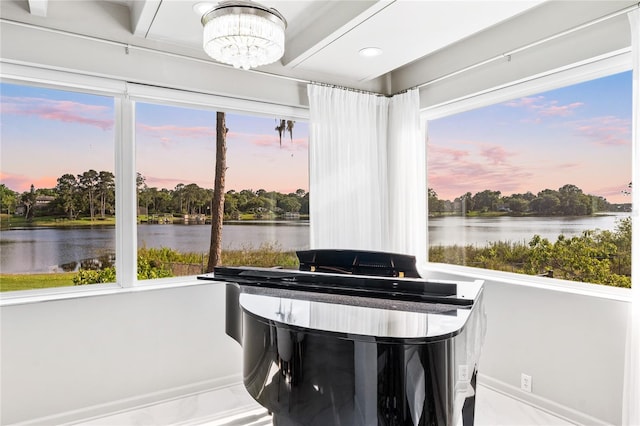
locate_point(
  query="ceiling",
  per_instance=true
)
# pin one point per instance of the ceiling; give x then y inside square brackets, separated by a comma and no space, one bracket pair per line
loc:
[323,38]
[421,40]
[326,36]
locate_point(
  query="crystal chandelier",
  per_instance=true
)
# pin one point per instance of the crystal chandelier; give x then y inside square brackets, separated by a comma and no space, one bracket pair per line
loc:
[243,33]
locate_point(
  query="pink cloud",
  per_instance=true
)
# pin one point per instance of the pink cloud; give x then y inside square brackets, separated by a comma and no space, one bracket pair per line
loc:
[167,133]
[544,108]
[613,194]
[524,102]
[65,111]
[565,166]
[22,183]
[495,154]
[607,130]
[553,109]
[272,141]
[450,179]
[449,153]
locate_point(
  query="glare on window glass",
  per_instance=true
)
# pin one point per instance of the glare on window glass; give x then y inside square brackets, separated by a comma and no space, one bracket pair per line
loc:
[538,185]
[266,200]
[57,188]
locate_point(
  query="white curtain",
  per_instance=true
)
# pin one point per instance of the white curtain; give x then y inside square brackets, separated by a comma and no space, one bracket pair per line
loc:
[367,171]
[407,177]
[631,405]
[347,169]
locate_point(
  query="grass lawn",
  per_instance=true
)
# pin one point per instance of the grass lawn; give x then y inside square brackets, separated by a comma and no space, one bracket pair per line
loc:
[7,222]
[12,282]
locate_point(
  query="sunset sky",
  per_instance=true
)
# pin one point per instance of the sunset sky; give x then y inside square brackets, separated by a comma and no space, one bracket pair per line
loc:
[579,135]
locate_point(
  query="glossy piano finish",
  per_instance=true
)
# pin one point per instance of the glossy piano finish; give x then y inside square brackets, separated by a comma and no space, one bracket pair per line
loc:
[339,348]
[317,363]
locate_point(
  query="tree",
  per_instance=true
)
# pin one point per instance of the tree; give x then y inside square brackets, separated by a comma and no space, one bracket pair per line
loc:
[88,183]
[67,188]
[434,204]
[28,199]
[517,205]
[141,192]
[573,202]
[285,125]
[8,199]
[106,187]
[217,201]
[465,203]
[547,202]
[486,200]
[290,204]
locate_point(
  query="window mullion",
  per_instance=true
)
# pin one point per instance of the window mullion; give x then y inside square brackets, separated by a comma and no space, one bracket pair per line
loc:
[125,165]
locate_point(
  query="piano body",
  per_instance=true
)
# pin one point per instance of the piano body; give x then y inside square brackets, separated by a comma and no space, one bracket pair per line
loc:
[356,338]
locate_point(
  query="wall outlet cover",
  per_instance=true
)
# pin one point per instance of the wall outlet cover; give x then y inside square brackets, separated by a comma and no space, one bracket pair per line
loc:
[525,382]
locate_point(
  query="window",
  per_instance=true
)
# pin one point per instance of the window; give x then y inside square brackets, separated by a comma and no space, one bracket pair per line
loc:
[57,187]
[537,185]
[266,189]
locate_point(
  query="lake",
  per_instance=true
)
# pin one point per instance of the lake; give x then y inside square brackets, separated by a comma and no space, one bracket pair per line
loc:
[57,249]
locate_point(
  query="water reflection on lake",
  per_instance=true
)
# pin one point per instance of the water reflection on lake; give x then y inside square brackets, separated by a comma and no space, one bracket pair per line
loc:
[481,230]
[59,249]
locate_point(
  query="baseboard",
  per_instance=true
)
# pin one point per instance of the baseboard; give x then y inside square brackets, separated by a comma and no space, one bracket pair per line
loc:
[139,401]
[568,414]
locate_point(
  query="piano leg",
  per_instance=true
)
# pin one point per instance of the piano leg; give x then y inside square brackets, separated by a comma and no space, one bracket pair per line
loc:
[469,407]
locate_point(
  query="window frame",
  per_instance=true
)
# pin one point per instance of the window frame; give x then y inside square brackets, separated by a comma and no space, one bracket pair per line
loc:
[602,66]
[125,95]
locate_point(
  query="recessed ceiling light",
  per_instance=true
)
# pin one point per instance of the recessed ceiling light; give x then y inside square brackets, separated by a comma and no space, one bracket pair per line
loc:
[370,52]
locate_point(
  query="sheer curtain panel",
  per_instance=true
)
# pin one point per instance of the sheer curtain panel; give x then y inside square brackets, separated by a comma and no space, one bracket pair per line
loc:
[407,177]
[631,406]
[347,169]
[367,171]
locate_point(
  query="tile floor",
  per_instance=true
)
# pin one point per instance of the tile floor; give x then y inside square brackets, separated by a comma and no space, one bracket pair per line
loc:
[233,406]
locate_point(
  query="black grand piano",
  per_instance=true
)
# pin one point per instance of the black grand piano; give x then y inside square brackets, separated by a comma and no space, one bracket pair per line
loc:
[356,338]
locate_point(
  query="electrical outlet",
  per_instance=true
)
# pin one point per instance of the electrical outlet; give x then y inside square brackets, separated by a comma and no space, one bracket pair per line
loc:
[525,382]
[463,373]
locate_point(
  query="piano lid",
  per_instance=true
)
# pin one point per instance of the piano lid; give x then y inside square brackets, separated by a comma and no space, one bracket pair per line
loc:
[352,273]
[358,262]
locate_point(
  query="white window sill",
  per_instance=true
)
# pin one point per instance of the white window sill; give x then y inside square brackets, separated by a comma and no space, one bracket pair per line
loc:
[21,297]
[93,290]
[543,283]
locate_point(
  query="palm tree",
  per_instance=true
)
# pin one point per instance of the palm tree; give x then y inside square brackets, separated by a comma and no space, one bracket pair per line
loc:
[217,200]
[285,125]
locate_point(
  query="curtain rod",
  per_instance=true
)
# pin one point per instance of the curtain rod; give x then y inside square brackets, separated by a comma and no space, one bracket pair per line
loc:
[349,89]
[508,54]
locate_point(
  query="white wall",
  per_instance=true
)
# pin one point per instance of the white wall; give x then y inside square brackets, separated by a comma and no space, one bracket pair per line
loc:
[571,344]
[85,356]
[75,358]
